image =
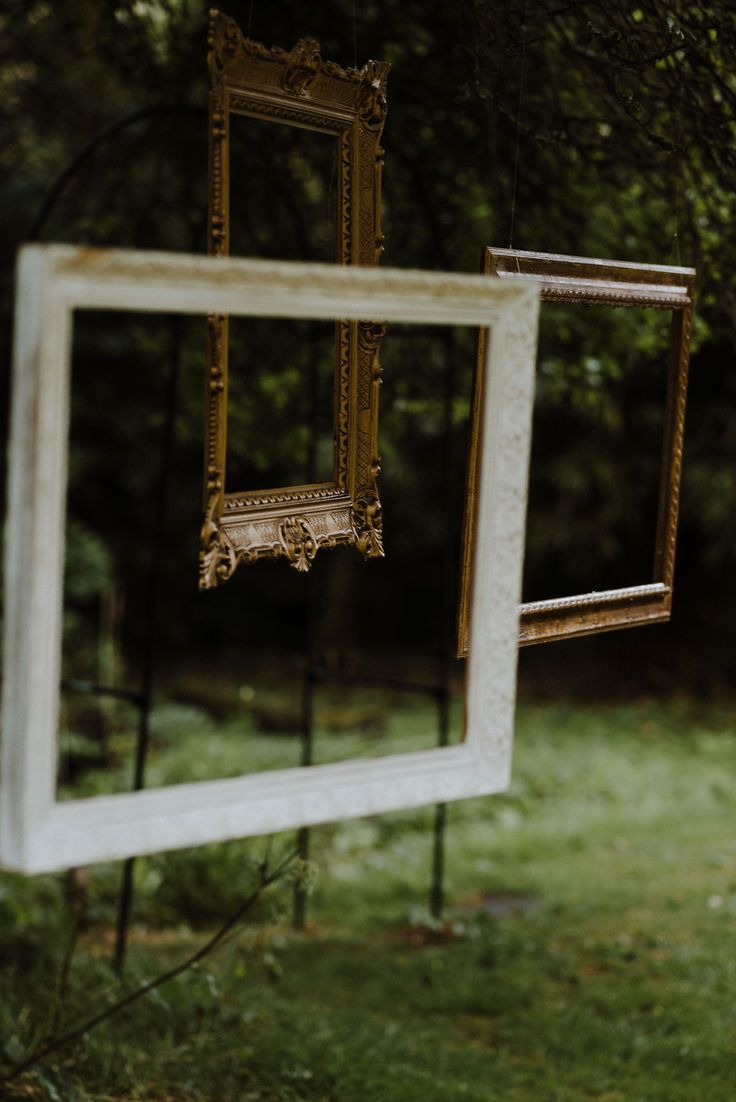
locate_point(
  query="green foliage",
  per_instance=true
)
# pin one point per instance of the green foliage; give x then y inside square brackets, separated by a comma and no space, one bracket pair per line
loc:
[199,886]
[619,986]
[88,563]
[612,978]
[625,134]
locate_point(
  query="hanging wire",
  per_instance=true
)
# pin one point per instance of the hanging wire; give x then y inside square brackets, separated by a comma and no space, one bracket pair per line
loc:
[250,19]
[677,155]
[518,124]
[355,35]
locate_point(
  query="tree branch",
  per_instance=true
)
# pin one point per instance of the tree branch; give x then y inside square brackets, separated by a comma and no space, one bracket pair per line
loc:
[51,1044]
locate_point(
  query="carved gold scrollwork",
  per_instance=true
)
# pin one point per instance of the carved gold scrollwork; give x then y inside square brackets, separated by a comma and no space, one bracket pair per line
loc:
[368,524]
[217,223]
[372,99]
[218,143]
[302,67]
[217,556]
[214,328]
[218,126]
[224,37]
[216,386]
[298,543]
[370,335]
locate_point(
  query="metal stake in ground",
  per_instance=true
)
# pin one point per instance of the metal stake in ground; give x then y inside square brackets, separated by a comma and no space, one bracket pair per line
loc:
[125,902]
[437,890]
[308,684]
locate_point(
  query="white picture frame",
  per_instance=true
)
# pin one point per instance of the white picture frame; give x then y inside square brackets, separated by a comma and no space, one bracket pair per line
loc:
[38,833]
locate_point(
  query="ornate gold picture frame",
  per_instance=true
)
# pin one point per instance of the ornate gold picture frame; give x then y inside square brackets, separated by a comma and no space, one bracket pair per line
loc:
[298,88]
[595,282]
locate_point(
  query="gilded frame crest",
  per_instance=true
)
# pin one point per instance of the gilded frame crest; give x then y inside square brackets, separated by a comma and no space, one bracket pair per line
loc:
[298,88]
[617,284]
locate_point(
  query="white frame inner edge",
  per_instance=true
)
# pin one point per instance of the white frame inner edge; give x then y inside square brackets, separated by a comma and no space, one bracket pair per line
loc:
[39,833]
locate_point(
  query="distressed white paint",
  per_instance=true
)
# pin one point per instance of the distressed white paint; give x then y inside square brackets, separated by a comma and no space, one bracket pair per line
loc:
[37,833]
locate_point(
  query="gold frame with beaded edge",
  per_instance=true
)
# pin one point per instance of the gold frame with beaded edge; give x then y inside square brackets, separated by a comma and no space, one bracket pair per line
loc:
[618,284]
[298,88]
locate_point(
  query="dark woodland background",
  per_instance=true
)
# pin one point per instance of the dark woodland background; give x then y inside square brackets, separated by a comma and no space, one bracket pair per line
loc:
[624,130]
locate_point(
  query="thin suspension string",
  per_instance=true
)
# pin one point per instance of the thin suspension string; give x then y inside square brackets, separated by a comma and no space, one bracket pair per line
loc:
[678,167]
[518,124]
[355,35]
[250,19]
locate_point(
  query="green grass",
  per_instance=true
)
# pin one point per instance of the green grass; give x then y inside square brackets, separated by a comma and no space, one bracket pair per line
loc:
[617,983]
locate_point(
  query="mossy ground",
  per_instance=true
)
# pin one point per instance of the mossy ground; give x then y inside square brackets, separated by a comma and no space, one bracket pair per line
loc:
[587,951]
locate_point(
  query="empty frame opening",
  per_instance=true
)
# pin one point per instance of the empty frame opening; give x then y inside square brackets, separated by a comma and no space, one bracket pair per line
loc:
[131,530]
[227,670]
[281,373]
[42,836]
[281,402]
[596,449]
[283,191]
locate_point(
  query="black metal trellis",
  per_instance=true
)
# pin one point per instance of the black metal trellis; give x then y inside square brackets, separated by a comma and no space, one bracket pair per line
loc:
[306,736]
[441,694]
[141,698]
[306,725]
[125,902]
[449,592]
[440,691]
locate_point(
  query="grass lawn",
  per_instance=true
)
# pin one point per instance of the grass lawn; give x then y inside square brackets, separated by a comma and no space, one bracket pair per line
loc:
[588,950]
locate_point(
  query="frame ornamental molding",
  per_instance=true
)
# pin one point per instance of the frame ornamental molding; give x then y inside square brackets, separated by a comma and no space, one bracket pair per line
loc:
[298,88]
[609,283]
